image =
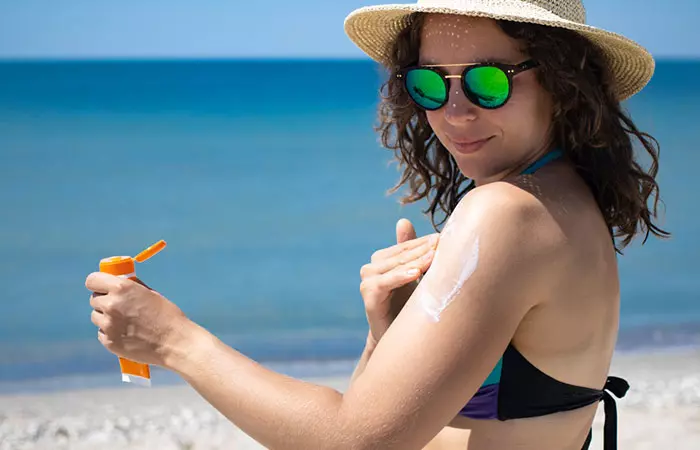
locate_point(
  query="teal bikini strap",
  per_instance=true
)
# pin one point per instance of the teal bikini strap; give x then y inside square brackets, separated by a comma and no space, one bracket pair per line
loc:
[544,160]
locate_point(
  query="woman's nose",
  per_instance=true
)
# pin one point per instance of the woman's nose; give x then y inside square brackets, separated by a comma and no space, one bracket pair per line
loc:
[458,109]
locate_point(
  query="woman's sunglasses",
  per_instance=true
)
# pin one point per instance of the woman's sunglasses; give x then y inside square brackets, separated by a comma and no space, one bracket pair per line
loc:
[488,85]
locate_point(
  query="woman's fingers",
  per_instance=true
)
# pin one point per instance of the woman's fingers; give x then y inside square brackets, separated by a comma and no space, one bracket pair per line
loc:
[396,249]
[376,289]
[413,256]
[389,270]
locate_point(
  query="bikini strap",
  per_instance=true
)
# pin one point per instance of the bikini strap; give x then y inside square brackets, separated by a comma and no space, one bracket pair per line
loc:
[544,160]
[619,388]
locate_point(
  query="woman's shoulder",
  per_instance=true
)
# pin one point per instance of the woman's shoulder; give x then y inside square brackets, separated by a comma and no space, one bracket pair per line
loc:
[511,215]
[499,201]
[514,189]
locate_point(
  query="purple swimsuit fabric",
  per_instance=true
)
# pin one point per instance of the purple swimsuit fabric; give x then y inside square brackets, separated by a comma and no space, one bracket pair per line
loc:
[484,404]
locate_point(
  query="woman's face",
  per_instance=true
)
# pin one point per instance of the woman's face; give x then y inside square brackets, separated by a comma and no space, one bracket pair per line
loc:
[494,143]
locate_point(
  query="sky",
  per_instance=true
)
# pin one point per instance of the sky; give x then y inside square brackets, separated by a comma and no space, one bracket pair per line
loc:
[78,29]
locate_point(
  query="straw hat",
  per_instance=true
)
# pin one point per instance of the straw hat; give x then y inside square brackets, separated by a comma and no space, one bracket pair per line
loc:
[374,28]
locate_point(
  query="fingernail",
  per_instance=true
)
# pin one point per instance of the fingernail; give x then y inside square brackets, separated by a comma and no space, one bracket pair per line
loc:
[433,239]
[412,272]
[428,255]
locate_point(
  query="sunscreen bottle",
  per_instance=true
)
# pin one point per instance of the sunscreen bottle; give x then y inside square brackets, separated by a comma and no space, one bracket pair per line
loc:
[125,267]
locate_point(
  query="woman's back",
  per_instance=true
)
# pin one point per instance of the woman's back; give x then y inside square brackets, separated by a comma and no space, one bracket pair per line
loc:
[571,334]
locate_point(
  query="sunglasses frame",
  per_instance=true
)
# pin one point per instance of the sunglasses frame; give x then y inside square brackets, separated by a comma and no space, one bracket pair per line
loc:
[510,70]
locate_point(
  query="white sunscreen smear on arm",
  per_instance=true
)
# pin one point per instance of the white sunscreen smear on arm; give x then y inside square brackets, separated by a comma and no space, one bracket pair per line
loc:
[433,305]
[446,231]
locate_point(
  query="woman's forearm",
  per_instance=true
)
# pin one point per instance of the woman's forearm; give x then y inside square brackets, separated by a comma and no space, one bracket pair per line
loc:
[275,410]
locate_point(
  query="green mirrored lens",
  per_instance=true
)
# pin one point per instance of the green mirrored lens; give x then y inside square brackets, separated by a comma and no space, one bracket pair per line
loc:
[489,85]
[426,88]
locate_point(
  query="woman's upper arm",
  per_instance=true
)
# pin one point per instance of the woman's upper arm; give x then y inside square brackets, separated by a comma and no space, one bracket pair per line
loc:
[455,326]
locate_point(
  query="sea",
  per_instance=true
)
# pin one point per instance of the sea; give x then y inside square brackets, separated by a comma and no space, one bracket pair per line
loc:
[269,184]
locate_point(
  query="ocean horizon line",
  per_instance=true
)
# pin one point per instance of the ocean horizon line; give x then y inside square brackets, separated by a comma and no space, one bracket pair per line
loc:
[191,59]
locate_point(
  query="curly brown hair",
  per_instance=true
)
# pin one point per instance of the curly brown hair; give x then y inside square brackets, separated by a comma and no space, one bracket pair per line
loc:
[589,125]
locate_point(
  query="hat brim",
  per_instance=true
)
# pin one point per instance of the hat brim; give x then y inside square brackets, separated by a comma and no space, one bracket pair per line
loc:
[374,29]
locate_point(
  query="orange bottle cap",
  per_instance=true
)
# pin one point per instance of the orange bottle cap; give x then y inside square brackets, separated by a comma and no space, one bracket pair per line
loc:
[118,265]
[123,265]
[150,251]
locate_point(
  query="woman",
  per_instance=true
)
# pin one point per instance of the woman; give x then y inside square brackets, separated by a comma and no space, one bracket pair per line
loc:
[506,340]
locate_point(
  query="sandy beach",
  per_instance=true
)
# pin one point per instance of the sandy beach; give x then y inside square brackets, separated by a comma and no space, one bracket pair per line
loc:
[661,411]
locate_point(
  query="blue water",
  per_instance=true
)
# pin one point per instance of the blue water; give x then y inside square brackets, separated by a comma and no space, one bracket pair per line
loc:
[268,182]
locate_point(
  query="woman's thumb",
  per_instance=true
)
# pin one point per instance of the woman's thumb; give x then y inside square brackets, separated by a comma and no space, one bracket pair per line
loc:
[404,231]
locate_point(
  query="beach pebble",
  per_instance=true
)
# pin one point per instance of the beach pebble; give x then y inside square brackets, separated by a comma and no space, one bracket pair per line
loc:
[207,418]
[123,423]
[150,426]
[35,429]
[187,414]
[98,438]
[184,443]
[108,426]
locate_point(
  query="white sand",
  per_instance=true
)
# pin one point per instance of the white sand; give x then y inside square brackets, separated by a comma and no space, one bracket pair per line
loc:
[661,411]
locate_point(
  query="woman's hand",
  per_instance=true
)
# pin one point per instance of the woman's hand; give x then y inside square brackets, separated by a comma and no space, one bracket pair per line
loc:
[134,321]
[390,278]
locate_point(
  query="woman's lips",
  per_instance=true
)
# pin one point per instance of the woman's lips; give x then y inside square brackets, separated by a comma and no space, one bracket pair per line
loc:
[469,147]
